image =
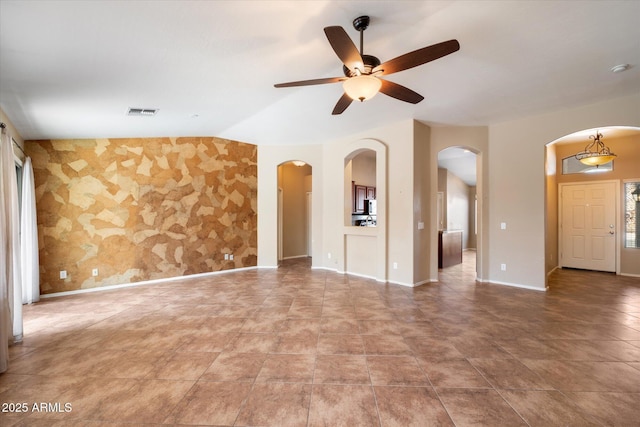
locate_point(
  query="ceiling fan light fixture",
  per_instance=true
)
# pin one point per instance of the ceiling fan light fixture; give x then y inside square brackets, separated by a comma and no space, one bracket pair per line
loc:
[362,87]
[600,156]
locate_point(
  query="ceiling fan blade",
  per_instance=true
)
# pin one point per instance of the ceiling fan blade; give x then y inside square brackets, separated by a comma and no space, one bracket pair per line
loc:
[312,82]
[417,57]
[343,47]
[400,92]
[342,104]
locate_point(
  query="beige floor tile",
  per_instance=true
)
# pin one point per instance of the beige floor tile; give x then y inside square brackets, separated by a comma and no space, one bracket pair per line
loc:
[510,374]
[341,369]
[478,407]
[211,403]
[292,368]
[343,405]
[182,365]
[148,401]
[410,407]
[240,367]
[276,404]
[547,408]
[340,344]
[296,346]
[252,343]
[396,370]
[293,344]
[619,409]
[385,345]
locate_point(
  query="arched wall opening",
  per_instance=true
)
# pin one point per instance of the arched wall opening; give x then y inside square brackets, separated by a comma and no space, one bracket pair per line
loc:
[457,205]
[360,206]
[476,140]
[365,247]
[295,210]
[561,176]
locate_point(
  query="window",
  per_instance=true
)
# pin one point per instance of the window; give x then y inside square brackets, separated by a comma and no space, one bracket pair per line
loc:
[632,214]
[572,165]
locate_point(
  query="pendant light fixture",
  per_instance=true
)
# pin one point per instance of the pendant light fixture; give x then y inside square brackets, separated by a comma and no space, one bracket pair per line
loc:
[595,153]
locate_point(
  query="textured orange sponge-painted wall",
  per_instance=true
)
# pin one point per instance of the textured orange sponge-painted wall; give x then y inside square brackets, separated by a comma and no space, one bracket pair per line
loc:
[142,208]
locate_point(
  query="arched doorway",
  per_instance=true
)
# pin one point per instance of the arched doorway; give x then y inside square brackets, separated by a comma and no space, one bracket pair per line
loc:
[457,208]
[294,210]
[564,173]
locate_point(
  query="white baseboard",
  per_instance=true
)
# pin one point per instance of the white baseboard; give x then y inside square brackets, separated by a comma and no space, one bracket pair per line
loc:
[296,256]
[517,285]
[147,282]
[408,285]
[364,276]
[629,275]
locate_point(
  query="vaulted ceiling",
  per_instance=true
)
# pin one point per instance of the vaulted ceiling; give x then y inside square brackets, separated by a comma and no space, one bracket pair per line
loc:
[71,69]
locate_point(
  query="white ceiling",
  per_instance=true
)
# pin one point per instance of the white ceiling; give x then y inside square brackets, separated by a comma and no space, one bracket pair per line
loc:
[460,162]
[70,69]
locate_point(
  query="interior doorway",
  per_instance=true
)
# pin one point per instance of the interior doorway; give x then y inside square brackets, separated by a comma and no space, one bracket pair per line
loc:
[295,214]
[457,205]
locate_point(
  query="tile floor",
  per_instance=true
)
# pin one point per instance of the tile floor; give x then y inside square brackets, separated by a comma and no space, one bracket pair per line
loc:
[302,347]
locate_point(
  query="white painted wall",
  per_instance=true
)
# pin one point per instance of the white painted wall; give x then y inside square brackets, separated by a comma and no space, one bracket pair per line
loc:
[422,203]
[394,176]
[373,262]
[364,170]
[517,183]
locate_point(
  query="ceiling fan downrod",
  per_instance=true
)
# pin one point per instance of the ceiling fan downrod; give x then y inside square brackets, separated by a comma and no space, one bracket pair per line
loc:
[361,23]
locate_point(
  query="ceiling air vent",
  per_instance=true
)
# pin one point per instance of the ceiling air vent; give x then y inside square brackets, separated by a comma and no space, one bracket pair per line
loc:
[142,112]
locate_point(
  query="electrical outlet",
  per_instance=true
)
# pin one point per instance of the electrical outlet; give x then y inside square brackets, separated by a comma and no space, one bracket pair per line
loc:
[94,272]
[395,265]
[226,257]
[503,226]
[231,257]
[63,274]
[503,267]
[329,255]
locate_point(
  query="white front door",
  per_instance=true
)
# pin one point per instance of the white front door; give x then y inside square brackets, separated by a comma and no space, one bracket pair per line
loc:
[588,226]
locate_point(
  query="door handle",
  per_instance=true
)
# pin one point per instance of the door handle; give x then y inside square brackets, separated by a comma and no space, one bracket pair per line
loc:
[612,232]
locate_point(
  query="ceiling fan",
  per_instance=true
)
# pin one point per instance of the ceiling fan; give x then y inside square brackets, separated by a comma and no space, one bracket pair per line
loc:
[362,72]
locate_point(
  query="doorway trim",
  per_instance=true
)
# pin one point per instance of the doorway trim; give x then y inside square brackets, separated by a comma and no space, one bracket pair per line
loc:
[309,196]
[280,224]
